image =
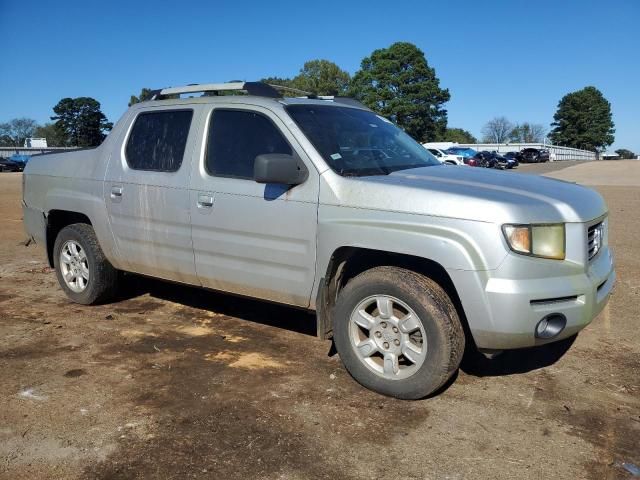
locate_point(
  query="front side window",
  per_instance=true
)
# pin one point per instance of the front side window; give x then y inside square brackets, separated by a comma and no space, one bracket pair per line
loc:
[357,142]
[158,139]
[236,138]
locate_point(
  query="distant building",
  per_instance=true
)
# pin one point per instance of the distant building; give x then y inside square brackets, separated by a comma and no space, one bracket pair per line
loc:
[35,143]
[610,156]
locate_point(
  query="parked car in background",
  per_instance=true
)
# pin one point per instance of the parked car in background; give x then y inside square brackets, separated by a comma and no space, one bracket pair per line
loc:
[534,155]
[503,161]
[445,157]
[515,156]
[7,165]
[465,152]
[20,158]
[544,156]
[484,159]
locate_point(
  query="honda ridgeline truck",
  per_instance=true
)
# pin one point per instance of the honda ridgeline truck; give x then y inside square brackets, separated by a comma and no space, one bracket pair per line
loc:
[321,204]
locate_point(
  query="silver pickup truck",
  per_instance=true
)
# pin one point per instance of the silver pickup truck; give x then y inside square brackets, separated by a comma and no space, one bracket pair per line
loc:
[321,204]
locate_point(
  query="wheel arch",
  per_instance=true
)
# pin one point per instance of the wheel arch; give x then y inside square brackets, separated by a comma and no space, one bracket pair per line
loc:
[346,262]
[56,221]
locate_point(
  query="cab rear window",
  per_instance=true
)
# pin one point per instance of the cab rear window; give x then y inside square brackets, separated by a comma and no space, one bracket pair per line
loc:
[158,139]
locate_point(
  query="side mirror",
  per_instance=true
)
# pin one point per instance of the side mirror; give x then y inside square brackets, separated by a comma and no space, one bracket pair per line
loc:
[279,168]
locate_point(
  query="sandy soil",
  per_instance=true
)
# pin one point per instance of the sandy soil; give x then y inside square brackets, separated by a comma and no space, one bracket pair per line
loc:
[175,382]
[616,173]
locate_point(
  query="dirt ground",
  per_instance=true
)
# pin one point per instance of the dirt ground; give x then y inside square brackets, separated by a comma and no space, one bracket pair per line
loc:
[175,382]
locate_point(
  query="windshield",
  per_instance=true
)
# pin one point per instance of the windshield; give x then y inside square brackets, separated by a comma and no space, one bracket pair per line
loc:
[358,142]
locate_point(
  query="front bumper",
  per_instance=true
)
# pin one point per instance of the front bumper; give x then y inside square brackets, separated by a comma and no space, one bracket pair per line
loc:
[512,308]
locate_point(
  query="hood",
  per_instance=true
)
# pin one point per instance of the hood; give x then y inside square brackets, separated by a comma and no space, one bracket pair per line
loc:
[471,193]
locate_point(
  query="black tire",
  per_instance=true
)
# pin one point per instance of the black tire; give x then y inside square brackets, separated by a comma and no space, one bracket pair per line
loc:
[103,278]
[444,333]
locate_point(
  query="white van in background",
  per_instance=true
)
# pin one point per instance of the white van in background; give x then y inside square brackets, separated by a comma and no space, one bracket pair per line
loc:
[445,157]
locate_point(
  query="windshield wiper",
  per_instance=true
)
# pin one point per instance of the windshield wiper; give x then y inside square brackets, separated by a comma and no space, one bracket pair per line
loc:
[368,172]
[409,167]
[363,174]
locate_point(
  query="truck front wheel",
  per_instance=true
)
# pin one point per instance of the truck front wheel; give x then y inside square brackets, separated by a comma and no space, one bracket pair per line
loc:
[397,332]
[83,272]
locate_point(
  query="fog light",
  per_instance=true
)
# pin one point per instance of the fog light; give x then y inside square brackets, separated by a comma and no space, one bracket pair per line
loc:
[550,326]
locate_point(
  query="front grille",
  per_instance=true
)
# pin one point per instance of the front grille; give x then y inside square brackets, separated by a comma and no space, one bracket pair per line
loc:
[595,237]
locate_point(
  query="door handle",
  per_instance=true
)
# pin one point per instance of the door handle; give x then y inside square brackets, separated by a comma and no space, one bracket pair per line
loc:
[116,193]
[205,200]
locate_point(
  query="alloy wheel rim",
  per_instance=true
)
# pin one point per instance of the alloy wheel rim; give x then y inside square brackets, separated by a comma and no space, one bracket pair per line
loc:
[74,266]
[388,337]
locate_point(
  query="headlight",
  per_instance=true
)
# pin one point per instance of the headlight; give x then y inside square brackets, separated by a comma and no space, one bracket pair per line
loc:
[545,241]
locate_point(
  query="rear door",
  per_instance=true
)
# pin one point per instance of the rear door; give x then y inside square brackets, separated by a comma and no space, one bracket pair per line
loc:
[250,238]
[147,195]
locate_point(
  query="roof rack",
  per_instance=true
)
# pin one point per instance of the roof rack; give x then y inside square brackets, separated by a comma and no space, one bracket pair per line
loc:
[259,89]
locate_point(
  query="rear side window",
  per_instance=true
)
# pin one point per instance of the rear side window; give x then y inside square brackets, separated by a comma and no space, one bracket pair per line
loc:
[158,139]
[236,138]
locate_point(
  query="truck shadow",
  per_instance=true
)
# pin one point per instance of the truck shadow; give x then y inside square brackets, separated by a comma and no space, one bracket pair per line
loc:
[513,362]
[243,308]
[510,362]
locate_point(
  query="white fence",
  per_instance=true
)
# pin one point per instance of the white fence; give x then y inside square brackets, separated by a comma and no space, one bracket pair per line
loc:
[6,152]
[556,152]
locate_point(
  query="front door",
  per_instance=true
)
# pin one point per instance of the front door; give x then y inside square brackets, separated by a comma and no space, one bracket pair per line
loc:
[146,191]
[249,238]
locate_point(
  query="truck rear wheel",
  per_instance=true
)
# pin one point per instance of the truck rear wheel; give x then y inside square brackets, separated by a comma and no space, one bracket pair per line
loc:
[397,332]
[83,272]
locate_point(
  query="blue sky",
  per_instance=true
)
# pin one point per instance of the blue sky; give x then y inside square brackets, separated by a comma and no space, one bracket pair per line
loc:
[512,58]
